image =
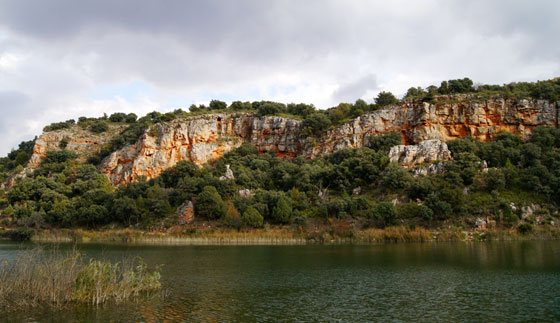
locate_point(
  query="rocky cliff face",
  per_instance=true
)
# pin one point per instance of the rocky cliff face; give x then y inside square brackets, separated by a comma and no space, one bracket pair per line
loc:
[205,138]
[449,118]
[80,141]
[200,139]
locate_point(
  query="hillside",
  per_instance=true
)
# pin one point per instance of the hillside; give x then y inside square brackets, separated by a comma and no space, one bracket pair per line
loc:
[471,157]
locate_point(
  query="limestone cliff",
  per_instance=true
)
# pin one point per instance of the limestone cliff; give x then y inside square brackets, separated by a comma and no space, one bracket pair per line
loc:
[78,140]
[200,139]
[203,138]
[449,118]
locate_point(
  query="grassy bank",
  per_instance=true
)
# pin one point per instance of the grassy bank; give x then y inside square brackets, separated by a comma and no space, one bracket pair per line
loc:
[55,279]
[292,235]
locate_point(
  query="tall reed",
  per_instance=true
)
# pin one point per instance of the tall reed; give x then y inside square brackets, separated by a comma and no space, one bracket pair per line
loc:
[53,278]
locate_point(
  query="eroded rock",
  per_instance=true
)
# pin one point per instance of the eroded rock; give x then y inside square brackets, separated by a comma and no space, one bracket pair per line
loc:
[426,152]
[204,138]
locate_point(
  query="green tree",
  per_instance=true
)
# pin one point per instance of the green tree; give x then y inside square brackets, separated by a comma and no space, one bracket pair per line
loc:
[99,126]
[386,98]
[300,109]
[217,105]
[415,92]
[464,85]
[315,124]
[238,105]
[385,213]
[131,118]
[383,142]
[282,212]
[252,218]
[117,117]
[209,204]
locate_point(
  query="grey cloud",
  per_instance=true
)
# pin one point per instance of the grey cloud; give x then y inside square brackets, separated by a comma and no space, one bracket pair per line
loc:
[15,108]
[355,89]
[194,47]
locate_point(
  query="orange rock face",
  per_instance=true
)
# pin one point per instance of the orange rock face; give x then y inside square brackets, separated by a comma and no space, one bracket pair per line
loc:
[199,139]
[204,138]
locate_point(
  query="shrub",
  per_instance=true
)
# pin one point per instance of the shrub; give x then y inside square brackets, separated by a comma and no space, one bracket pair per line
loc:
[315,123]
[99,126]
[130,118]
[63,143]
[59,125]
[238,105]
[386,98]
[209,204]
[58,156]
[268,108]
[232,217]
[217,105]
[117,117]
[384,142]
[384,213]
[525,228]
[21,234]
[282,212]
[413,210]
[252,218]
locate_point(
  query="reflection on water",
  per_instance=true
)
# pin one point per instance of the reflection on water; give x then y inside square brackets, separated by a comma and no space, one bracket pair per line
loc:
[412,282]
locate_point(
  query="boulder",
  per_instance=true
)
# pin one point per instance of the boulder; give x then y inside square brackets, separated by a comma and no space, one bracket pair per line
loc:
[228,175]
[426,152]
[185,212]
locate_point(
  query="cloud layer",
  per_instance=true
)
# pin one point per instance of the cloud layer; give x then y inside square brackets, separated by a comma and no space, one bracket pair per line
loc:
[61,59]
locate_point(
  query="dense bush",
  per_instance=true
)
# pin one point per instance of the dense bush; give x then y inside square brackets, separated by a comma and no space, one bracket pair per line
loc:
[386,98]
[252,218]
[18,157]
[59,125]
[99,126]
[209,204]
[384,142]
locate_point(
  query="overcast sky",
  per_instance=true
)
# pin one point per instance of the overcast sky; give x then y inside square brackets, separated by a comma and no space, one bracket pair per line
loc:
[62,59]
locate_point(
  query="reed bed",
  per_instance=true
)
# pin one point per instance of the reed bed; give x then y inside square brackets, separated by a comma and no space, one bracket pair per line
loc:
[333,233]
[55,279]
[394,234]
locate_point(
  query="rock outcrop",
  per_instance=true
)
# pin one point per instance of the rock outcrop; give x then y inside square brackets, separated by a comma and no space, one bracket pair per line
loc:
[228,175]
[426,152]
[204,138]
[78,140]
[200,139]
[185,213]
[82,142]
[207,137]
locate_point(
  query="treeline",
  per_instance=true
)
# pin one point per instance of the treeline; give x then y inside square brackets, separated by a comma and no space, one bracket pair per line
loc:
[357,183]
[541,90]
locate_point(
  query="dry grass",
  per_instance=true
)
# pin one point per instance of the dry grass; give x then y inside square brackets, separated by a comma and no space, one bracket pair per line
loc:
[333,232]
[55,279]
[214,236]
[394,234]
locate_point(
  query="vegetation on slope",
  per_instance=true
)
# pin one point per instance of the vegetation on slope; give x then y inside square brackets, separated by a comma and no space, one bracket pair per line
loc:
[65,193]
[359,184]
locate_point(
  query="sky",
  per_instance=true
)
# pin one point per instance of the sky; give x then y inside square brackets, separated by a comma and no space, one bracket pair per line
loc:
[62,59]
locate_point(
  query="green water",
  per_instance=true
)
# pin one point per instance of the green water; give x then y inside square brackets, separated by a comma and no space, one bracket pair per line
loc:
[505,282]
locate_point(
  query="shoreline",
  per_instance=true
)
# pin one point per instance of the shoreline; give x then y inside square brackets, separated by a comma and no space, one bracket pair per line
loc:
[287,236]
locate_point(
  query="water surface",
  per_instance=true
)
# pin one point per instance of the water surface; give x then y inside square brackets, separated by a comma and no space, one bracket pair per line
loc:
[514,281]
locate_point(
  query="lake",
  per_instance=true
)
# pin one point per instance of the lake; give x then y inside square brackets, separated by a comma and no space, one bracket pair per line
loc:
[498,281]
